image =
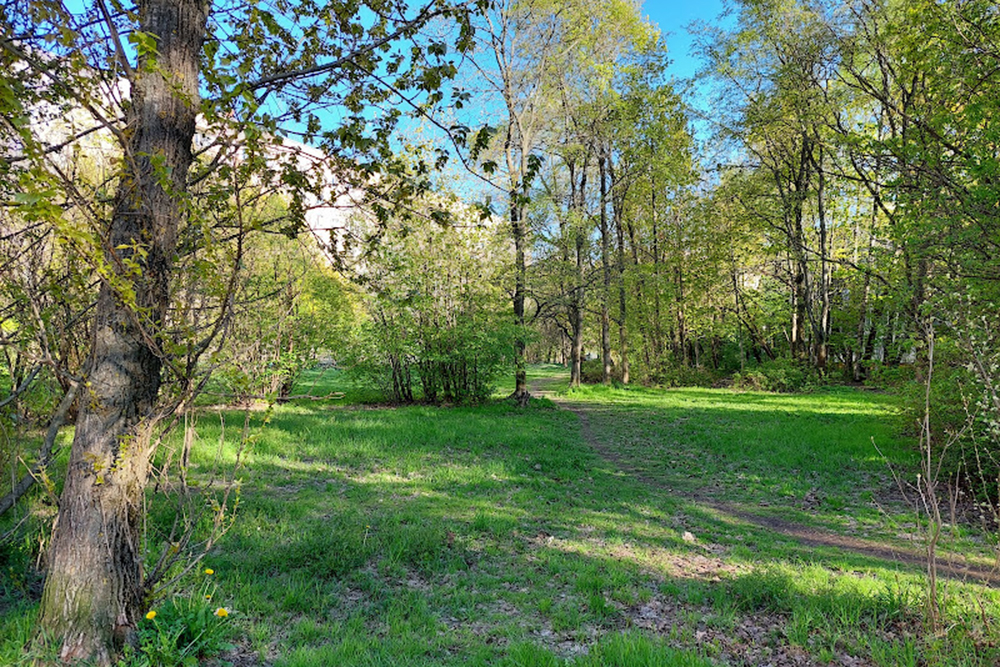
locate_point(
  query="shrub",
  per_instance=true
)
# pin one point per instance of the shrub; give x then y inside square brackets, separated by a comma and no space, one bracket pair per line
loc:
[963,436]
[683,376]
[440,327]
[591,371]
[457,364]
[781,375]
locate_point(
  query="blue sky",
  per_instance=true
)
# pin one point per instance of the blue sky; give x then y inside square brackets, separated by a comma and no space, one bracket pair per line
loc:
[673,17]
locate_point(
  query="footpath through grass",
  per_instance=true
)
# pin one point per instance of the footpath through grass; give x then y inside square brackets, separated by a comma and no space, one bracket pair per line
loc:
[500,536]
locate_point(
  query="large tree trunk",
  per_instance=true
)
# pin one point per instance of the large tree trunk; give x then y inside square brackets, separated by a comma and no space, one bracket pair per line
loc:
[94,587]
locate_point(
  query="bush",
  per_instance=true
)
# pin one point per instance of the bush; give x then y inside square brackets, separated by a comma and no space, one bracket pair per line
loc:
[890,375]
[591,371]
[440,327]
[963,438]
[683,376]
[780,375]
[459,364]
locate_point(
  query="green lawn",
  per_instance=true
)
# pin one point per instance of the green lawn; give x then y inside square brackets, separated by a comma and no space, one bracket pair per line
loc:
[499,536]
[820,457]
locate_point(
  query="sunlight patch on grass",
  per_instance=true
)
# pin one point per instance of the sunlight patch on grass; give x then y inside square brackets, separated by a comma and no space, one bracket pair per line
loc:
[493,535]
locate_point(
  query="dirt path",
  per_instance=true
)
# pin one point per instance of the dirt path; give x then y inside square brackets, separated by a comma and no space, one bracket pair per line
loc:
[803,534]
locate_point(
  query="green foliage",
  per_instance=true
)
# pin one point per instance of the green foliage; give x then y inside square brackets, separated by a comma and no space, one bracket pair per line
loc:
[962,415]
[183,630]
[679,375]
[781,375]
[894,377]
[439,328]
[460,364]
[591,371]
[289,309]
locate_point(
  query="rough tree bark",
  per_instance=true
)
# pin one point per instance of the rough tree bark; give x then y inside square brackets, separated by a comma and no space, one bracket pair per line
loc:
[94,586]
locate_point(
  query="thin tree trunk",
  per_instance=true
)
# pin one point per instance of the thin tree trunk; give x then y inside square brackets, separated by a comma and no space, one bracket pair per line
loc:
[94,588]
[517,169]
[567,231]
[822,332]
[680,337]
[657,333]
[642,306]
[793,192]
[800,294]
[521,394]
[864,321]
[605,271]
[618,214]
[578,287]
[679,294]
[45,453]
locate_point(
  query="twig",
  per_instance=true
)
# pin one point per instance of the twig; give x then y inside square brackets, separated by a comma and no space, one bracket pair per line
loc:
[45,455]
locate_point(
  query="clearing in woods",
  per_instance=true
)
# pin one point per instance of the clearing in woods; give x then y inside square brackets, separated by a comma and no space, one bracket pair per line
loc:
[607,526]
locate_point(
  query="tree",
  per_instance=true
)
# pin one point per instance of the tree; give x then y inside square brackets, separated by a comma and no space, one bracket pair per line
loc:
[518,42]
[776,63]
[556,70]
[659,157]
[267,72]
[437,327]
[289,306]
[94,588]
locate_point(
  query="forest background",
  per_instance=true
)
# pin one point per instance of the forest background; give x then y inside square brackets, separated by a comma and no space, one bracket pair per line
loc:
[203,201]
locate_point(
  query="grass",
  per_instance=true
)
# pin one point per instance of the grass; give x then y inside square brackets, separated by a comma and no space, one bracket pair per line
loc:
[755,447]
[499,536]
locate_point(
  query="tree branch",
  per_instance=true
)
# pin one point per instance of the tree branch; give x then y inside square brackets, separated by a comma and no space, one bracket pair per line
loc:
[45,455]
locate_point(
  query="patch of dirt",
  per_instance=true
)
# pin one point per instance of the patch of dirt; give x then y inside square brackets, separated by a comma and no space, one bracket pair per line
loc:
[750,641]
[564,644]
[683,565]
[954,568]
[240,655]
[567,644]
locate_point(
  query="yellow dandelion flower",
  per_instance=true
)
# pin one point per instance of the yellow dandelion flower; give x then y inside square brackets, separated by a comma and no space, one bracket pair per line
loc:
[150,615]
[222,612]
[208,597]
[209,570]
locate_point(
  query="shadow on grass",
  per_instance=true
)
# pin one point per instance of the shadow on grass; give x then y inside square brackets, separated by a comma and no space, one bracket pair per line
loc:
[394,449]
[454,536]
